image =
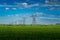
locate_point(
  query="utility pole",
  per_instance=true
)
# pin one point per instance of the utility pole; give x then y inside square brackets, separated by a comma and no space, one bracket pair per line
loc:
[34,18]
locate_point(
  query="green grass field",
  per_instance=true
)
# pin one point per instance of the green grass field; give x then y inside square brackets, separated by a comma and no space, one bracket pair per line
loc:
[30,32]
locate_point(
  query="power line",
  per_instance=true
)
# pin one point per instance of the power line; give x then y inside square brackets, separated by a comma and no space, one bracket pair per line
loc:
[34,18]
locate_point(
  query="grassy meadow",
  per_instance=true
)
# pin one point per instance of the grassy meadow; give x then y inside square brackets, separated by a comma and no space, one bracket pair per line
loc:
[29,32]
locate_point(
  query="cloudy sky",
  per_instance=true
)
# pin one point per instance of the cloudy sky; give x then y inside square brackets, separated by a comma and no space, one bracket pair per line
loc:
[13,11]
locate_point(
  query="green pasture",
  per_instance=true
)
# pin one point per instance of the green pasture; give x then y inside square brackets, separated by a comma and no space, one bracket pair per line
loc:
[29,32]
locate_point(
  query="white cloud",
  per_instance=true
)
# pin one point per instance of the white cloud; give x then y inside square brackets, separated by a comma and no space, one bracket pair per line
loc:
[24,5]
[29,6]
[49,5]
[32,5]
[39,13]
[7,8]
[50,18]
[14,8]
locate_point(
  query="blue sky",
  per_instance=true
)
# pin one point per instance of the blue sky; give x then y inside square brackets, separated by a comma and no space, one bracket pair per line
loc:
[12,11]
